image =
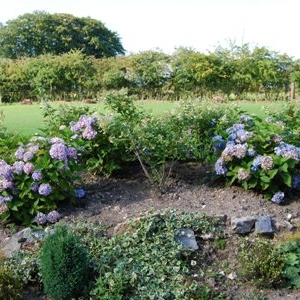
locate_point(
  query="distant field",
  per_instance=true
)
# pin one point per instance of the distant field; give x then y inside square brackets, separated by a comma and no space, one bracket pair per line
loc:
[28,119]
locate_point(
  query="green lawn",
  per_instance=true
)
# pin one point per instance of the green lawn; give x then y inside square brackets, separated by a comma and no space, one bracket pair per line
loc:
[28,119]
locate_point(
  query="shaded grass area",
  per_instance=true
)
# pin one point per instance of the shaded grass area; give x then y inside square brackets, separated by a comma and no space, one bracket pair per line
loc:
[28,119]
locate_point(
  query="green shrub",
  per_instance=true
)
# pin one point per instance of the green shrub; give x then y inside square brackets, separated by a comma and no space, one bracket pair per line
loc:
[261,264]
[10,287]
[64,265]
[291,252]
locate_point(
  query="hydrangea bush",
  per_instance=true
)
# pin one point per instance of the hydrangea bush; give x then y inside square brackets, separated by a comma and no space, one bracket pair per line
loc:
[252,153]
[42,174]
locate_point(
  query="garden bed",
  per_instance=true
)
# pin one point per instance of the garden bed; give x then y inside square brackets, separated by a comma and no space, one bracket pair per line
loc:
[111,201]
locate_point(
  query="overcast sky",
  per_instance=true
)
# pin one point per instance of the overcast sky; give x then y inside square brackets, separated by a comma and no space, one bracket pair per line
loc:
[169,24]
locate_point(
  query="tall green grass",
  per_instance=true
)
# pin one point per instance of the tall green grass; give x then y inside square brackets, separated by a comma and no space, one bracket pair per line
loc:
[28,119]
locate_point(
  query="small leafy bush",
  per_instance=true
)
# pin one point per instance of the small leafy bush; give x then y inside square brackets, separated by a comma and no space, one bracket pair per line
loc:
[10,287]
[254,155]
[291,272]
[56,119]
[25,265]
[261,264]
[64,265]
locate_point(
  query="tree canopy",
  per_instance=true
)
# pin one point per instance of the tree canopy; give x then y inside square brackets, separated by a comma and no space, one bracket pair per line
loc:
[38,33]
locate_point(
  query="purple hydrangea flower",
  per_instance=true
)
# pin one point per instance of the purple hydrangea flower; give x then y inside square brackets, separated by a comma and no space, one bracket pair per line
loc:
[80,193]
[72,152]
[53,216]
[18,167]
[245,118]
[28,168]
[28,155]
[37,175]
[6,184]
[58,151]
[278,197]
[89,133]
[4,199]
[45,189]
[34,187]
[57,140]
[19,153]
[40,218]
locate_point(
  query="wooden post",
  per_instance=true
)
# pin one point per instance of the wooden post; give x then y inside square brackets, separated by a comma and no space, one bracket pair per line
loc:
[292,91]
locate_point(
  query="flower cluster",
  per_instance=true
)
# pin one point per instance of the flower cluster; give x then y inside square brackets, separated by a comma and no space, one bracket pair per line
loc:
[60,151]
[288,150]
[235,148]
[84,127]
[42,173]
[51,217]
[258,158]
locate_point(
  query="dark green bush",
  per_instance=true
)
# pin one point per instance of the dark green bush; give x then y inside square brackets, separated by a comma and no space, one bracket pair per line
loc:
[64,265]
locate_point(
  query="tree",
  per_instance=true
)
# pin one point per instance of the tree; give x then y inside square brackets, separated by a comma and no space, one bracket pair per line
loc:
[39,33]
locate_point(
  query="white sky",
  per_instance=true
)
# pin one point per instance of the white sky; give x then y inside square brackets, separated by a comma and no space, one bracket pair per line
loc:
[168,24]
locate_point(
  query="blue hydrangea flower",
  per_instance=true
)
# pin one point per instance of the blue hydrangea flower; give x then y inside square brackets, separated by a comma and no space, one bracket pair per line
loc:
[287,150]
[80,193]
[278,197]
[251,152]
[220,167]
[219,143]
[295,181]
[256,163]
[45,189]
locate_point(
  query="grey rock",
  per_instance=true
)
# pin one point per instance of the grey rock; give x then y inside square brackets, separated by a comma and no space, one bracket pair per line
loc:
[13,244]
[263,225]
[243,225]
[186,237]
